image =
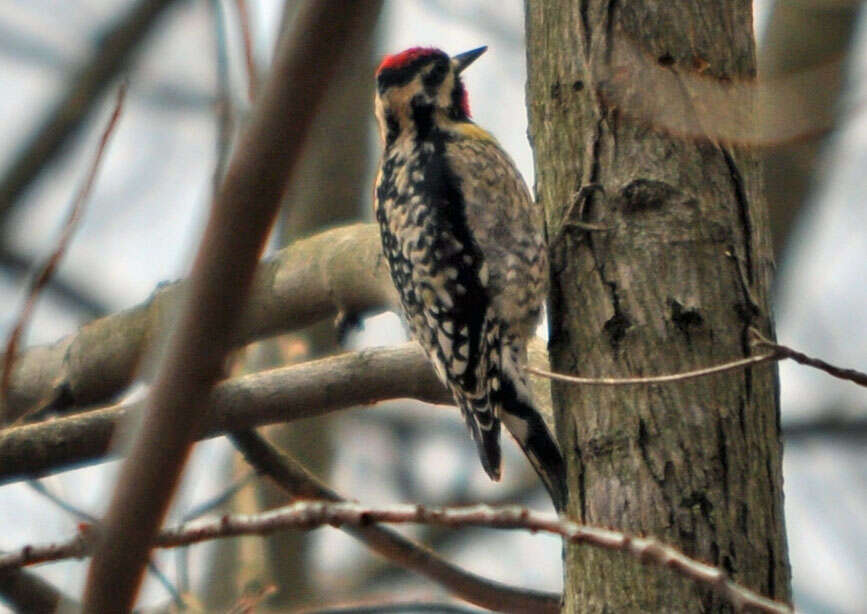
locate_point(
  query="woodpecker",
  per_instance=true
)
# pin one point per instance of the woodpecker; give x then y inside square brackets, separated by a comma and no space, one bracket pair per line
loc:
[466,250]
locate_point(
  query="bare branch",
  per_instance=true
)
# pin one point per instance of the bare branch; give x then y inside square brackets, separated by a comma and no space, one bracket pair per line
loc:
[27,592]
[380,607]
[79,513]
[223,111]
[778,352]
[312,514]
[783,351]
[337,271]
[299,483]
[252,597]
[79,546]
[114,50]
[654,379]
[277,395]
[46,271]
[247,39]
[243,212]
[81,300]
[223,497]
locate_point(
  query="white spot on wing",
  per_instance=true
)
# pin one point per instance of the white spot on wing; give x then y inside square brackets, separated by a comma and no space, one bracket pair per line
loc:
[444,342]
[459,366]
[484,274]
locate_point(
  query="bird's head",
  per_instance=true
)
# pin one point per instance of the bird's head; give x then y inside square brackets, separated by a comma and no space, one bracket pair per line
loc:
[413,84]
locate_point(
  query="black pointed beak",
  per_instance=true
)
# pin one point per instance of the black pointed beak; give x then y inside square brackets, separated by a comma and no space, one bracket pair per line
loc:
[462,60]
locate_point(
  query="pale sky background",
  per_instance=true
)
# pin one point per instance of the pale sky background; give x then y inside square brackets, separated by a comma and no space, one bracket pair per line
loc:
[144,218]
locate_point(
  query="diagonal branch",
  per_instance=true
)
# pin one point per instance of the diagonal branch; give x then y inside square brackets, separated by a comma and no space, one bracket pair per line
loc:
[26,592]
[480,591]
[337,271]
[72,295]
[41,279]
[312,514]
[243,212]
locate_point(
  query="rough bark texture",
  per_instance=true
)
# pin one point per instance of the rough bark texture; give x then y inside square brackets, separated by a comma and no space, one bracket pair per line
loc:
[674,283]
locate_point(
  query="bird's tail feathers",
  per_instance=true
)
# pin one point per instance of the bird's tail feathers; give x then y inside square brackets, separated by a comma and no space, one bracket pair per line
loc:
[525,423]
[485,430]
[506,396]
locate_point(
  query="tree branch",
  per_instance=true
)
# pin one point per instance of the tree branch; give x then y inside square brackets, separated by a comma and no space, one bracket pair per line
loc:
[74,296]
[277,395]
[43,276]
[654,379]
[242,214]
[336,271]
[784,351]
[313,514]
[778,352]
[398,607]
[299,483]
[27,592]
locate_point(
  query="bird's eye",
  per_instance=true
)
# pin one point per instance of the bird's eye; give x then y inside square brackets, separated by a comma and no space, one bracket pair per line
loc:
[436,74]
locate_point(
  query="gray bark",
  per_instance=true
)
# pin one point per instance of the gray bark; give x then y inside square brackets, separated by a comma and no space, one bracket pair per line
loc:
[674,282]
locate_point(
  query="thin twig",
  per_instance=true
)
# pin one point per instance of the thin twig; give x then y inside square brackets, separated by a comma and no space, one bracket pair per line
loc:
[392,607]
[67,507]
[784,351]
[215,502]
[114,49]
[79,513]
[249,58]
[250,600]
[223,104]
[654,379]
[830,423]
[83,301]
[46,271]
[411,555]
[778,352]
[203,508]
[313,514]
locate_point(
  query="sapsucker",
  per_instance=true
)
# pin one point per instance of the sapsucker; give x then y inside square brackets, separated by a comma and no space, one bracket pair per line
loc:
[465,245]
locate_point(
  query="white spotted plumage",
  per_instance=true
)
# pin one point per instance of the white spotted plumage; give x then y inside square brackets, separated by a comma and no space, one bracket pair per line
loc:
[465,247]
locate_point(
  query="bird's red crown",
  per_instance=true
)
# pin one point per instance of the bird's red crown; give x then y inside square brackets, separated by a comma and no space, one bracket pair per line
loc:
[404,58]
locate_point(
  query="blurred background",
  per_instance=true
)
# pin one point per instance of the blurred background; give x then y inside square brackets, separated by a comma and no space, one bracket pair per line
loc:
[189,91]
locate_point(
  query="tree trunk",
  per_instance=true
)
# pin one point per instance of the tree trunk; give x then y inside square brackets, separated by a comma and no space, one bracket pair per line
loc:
[674,279]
